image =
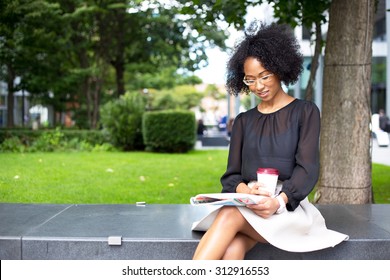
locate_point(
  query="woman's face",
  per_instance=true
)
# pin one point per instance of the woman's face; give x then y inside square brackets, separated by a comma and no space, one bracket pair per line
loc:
[260,81]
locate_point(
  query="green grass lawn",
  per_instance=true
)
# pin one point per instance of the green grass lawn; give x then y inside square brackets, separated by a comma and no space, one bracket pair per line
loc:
[381,183]
[109,177]
[116,177]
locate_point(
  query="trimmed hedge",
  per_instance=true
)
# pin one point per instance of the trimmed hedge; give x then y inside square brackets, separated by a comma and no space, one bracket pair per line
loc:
[46,140]
[169,131]
[25,136]
[28,136]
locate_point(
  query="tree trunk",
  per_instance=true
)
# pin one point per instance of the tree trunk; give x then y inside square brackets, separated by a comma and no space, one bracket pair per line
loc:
[88,100]
[96,103]
[345,174]
[10,97]
[119,74]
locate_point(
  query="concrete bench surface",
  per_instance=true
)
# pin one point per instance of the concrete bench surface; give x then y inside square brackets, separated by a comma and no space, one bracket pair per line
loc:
[163,232]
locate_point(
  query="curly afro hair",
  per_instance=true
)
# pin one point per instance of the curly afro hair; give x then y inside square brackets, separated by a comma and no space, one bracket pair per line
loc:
[275,46]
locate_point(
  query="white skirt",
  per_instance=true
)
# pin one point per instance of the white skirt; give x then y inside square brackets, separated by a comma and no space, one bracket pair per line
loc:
[301,230]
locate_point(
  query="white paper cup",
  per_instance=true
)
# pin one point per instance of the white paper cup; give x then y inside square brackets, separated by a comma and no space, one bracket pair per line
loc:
[268,177]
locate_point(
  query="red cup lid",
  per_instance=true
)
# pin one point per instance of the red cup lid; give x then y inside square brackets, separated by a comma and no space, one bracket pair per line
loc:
[271,171]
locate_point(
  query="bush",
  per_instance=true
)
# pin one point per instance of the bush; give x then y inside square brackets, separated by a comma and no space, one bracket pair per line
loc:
[12,144]
[169,131]
[25,136]
[122,120]
[93,137]
[48,140]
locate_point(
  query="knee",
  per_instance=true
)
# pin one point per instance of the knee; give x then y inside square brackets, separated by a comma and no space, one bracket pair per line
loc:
[230,216]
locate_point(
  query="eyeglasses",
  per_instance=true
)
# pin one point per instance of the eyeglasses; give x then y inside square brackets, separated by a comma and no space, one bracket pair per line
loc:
[263,80]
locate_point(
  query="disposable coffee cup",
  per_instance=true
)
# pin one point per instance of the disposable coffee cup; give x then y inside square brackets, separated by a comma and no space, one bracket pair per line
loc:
[268,177]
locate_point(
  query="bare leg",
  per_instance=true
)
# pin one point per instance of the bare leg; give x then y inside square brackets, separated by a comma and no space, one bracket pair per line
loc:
[238,247]
[223,231]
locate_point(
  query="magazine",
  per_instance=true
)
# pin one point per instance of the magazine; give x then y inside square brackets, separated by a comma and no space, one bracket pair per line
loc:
[228,199]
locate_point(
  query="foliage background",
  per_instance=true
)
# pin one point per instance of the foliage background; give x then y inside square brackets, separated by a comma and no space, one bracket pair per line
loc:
[76,55]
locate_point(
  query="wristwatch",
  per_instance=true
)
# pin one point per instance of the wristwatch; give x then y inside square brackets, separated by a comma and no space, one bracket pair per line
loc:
[282,204]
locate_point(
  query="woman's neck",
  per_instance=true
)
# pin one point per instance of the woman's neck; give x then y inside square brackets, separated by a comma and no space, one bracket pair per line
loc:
[281,100]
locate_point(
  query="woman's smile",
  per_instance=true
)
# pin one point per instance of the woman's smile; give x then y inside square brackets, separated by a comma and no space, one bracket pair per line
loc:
[262,94]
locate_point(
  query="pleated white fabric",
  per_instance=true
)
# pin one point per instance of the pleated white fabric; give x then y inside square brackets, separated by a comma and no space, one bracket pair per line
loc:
[302,230]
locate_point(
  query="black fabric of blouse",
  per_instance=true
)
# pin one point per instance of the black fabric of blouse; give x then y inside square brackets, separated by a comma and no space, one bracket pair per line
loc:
[287,140]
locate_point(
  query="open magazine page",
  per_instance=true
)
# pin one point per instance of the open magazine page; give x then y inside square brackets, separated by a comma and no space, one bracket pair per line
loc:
[228,199]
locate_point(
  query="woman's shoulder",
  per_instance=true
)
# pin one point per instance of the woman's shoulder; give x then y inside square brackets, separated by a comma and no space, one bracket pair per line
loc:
[305,103]
[247,113]
[306,106]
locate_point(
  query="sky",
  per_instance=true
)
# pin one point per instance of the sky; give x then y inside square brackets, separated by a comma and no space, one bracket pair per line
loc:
[215,72]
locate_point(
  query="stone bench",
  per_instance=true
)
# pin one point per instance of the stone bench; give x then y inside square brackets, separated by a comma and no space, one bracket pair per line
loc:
[216,141]
[163,232]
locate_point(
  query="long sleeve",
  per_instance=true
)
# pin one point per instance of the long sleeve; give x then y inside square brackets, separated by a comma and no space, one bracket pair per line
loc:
[232,177]
[306,170]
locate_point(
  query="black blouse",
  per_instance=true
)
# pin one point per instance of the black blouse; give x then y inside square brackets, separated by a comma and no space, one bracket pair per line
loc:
[287,140]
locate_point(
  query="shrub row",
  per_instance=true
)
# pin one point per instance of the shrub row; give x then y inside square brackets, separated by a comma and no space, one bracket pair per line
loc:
[163,131]
[27,136]
[23,140]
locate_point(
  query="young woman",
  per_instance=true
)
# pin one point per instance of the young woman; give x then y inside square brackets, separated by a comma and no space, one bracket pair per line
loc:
[281,132]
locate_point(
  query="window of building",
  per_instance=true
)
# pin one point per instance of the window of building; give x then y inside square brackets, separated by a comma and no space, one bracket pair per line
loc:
[305,33]
[380,22]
